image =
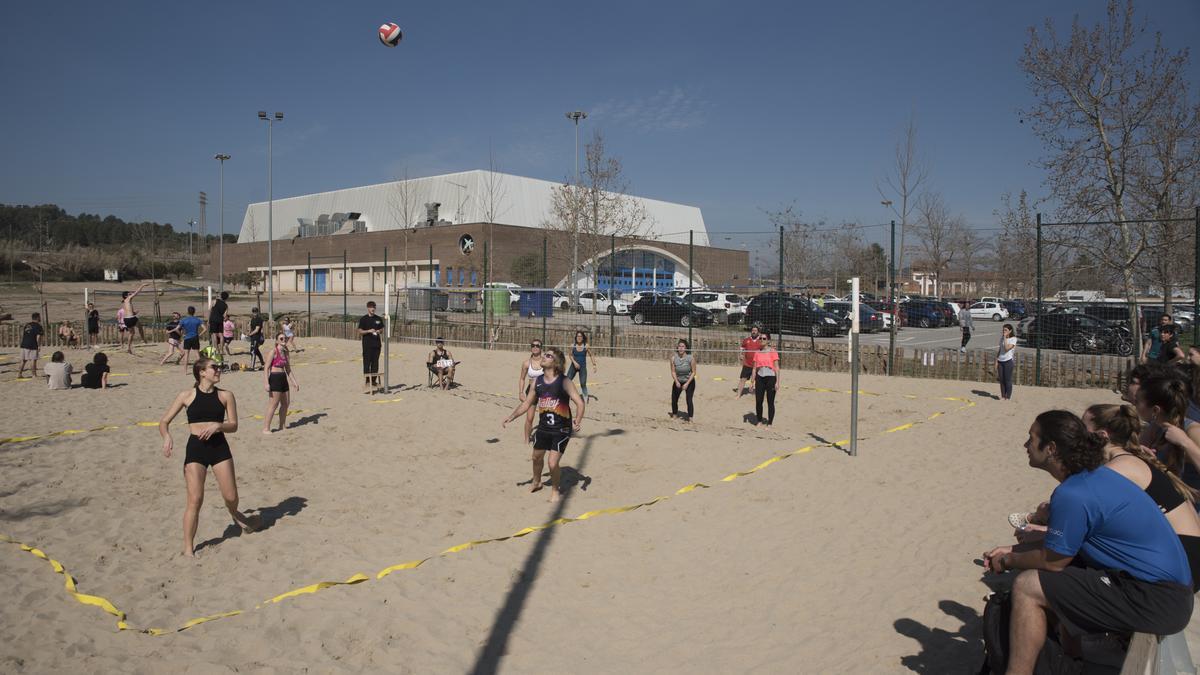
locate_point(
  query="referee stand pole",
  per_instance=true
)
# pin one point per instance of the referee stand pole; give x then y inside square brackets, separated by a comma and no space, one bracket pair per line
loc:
[854,367]
[387,336]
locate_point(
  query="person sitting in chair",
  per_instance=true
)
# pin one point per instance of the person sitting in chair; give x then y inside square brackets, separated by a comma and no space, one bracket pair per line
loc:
[441,363]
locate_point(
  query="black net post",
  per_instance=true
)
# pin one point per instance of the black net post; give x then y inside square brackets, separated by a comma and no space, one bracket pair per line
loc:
[612,271]
[1041,326]
[432,284]
[779,316]
[345,292]
[545,283]
[691,261]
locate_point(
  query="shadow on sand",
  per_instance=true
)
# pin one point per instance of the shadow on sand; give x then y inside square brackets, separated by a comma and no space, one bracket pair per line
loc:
[269,516]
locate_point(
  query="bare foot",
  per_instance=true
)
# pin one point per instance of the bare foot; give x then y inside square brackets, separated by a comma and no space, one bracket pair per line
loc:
[187,553]
[535,487]
[555,497]
[267,431]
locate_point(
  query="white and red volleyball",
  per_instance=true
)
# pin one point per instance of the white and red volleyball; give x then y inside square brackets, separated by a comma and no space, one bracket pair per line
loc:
[390,35]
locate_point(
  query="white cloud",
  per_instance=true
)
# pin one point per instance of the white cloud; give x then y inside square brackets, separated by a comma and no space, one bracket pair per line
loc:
[673,109]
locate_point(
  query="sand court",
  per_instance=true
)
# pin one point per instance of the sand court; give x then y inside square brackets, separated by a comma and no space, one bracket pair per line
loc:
[712,545]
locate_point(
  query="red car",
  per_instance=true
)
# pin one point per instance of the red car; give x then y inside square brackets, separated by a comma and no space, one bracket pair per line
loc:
[886,308]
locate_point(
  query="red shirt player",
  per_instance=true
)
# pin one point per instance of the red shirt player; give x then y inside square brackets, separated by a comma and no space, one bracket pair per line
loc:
[750,345]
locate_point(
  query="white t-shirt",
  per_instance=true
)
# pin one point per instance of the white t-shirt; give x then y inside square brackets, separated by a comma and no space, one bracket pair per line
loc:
[60,375]
[1007,355]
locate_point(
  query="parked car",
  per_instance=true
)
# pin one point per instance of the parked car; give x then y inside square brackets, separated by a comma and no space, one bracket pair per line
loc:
[869,319]
[949,310]
[885,310]
[989,310]
[597,301]
[562,300]
[1109,312]
[924,313]
[669,310]
[1055,331]
[731,304]
[1016,309]
[776,313]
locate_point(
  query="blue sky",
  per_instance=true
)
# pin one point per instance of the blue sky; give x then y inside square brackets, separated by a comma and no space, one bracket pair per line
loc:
[733,107]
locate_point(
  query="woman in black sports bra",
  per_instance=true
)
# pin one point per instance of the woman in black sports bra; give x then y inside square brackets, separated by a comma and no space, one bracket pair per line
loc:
[553,395]
[211,413]
[1121,425]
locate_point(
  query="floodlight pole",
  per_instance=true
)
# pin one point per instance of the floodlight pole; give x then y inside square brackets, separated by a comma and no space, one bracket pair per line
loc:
[575,116]
[271,120]
[221,242]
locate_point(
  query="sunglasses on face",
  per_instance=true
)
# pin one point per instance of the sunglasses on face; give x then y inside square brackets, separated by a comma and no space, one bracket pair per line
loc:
[535,346]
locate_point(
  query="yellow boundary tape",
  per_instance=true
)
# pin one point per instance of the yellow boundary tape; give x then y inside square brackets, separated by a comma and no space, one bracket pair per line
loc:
[122,624]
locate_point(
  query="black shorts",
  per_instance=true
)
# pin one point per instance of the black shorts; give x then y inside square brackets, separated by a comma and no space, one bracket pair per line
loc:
[216,328]
[747,373]
[192,343]
[207,452]
[1090,600]
[278,382]
[551,439]
[93,329]
[130,322]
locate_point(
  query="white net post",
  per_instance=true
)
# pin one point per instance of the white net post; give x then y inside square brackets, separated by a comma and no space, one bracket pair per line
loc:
[854,326]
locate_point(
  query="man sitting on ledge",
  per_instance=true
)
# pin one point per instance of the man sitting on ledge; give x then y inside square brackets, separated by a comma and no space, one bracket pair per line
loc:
[1110,561]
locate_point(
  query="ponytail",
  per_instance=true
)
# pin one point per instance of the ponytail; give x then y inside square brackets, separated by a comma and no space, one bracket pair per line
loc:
[1123,426]
[1169,393]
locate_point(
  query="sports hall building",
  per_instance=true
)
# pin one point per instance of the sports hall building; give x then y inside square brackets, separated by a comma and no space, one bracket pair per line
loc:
[432,231]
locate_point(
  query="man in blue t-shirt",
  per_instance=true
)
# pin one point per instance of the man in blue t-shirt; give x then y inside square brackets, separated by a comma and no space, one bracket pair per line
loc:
[192,326]
[1110,561]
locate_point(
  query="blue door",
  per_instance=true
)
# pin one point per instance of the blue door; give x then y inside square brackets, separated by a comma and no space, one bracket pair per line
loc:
[317,282]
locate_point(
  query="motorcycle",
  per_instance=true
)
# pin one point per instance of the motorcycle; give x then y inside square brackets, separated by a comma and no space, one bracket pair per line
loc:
[1117,339]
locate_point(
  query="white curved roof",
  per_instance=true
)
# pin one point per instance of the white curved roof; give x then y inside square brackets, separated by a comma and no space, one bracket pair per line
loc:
[525,202]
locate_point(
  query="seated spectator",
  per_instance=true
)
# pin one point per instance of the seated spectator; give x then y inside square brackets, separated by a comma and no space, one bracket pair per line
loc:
[67,336]
[1162,405]
[1110,561]
[95,374]
[441,363]
[1120,427]
[58,371]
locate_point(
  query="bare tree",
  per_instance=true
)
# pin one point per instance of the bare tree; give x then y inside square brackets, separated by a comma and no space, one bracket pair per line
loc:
[1168,186]
[971,250]
[594,209]
[939,233]
[846,252]
[1097,94]
[492,201]
[802,247]
[406,200]
[905,185]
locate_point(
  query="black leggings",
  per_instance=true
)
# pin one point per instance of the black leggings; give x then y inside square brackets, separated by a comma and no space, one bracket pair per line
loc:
[255,354]
[1004,371]
[764,386]
[966,337]
[676,391]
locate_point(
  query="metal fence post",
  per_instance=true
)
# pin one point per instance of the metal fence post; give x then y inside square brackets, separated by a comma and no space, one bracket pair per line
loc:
[431,287]
[484,291]
[384,271]
[1041,327]
[779,313]
[345,286]
[309,283]
[612,318]
[545,283]
[691,260]
[1196,285]
[892,302]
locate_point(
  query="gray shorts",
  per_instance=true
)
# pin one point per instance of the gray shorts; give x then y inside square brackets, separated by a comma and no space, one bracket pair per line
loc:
[29,354]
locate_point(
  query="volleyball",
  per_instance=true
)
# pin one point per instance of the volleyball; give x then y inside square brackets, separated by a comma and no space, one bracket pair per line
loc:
[390,35]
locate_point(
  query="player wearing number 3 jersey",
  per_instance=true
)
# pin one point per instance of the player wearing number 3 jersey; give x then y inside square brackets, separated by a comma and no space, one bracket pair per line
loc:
[553,395]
